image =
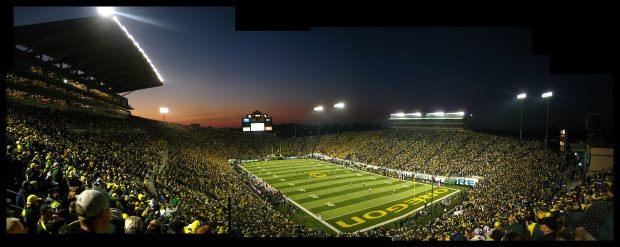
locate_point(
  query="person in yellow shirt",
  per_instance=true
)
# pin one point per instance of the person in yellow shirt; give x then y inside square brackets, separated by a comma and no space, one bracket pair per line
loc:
[31,213]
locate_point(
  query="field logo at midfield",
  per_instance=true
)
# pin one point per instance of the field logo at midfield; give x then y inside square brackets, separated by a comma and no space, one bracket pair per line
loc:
[317,174]
[393,209]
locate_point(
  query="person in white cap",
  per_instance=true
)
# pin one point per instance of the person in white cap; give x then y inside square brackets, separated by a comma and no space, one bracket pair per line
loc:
[93,209]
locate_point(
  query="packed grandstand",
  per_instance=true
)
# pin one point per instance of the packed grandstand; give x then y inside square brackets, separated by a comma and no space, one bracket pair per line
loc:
[167,178]
[78,162]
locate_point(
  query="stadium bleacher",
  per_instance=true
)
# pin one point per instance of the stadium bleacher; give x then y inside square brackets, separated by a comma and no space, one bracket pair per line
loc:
[51,160]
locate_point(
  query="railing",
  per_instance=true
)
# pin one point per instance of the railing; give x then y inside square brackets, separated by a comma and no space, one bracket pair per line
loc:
[13,205]
[13,192]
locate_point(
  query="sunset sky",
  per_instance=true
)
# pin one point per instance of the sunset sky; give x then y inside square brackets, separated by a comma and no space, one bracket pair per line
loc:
[215,75]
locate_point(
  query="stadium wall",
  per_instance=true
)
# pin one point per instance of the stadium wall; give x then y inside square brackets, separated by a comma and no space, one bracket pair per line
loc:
[601,159]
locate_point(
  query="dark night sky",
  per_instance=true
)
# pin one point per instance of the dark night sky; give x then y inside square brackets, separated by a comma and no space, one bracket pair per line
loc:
[214,75]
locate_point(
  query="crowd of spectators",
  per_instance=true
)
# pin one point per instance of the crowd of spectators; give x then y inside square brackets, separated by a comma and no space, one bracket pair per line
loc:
[38,91]
[73,172]
[159,178]
[520,179]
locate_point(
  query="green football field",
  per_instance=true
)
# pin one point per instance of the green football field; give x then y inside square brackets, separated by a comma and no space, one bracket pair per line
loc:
[345,199]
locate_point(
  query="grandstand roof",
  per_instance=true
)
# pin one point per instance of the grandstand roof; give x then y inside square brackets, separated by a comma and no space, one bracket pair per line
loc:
[96,46]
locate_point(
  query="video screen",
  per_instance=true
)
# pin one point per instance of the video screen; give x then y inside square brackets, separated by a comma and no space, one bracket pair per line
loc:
[257,126]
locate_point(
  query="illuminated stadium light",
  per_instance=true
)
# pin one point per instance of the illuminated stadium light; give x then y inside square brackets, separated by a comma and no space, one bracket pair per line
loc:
[318,108]
[456,113]
[163,111]
[139,48]
[340,106]
[65,80]
[400,114]
[547,95]
[417,114]
[439,113]
[521,97]
[105,11]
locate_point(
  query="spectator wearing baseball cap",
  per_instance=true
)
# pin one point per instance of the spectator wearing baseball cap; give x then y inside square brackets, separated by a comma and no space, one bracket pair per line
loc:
[94,215]
[31,213]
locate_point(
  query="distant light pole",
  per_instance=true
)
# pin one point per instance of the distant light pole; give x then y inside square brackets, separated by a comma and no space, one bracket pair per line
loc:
[522,98]
[547,95]
[318,109]
[339,106]
[163,111]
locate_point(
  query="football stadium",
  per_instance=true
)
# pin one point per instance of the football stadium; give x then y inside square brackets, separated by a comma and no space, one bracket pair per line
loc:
[78,161]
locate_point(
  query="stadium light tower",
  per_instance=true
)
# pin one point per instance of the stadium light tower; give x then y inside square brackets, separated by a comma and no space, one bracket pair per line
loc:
[547,95]
[318,109]
[163,111]
[522,98]
[105,11]
[338,106]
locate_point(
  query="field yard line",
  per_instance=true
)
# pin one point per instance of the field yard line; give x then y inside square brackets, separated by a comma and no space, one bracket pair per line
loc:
[348,167]
[366,171]
[373,226]
[304,178]
[400,217]
[314,216]
[340,188]
[370,206]
[253,165]
[353,195]
[376,174]
[318,170]
[276,165]
[305,210]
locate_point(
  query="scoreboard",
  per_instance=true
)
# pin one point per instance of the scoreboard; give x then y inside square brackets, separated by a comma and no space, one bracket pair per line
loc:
[256,121]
